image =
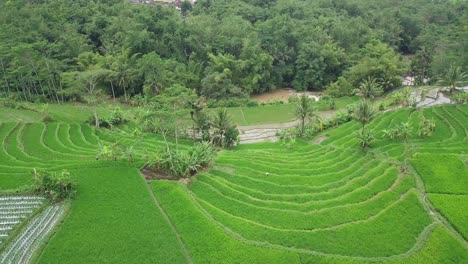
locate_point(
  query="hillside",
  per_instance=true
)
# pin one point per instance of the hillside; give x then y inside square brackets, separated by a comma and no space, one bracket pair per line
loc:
[261,203]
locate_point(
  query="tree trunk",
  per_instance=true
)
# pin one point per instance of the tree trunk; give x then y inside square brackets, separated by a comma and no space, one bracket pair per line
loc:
[96,118]
[125,92]
[113,92]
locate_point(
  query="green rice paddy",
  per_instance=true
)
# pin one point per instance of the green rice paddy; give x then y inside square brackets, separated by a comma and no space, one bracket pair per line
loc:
[400,202]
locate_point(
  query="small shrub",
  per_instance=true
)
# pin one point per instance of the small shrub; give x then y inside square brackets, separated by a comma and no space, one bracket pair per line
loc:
[365,138]
[138,100]
[461,98]
[183,163]
[381,107]
[391,133]
[397,98]
[293,99]
[340,88]
[404,130]
[56,186]
[406,93]
[103,122]
[341,117]
[231,138]
[110,151]
[425,127]
[117,117]
[287,136]
[233,102]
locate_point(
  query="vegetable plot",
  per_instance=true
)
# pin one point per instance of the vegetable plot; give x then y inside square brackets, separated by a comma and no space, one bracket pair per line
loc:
[14,210]
[22,248]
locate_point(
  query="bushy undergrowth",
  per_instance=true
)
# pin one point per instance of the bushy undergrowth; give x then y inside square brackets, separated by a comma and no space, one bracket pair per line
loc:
[55,185]
[313,128]
[116,117]
[183,163]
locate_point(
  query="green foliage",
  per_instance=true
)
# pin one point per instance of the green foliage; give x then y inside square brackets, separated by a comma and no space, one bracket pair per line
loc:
[232,102]
[364,112]
[461,98]
[454,77]
[403,131]
[221,50]
[115,151]
[426,126]
[378,67]
[225,134]
[365,137]
[340,88]
[55,185]
[369,88]
[305,111]
[183,163]
[318,63]
[117,117]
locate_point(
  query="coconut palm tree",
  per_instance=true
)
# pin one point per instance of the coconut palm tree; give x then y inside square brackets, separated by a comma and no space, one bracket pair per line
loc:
[124,68]
[221,124]
[304,110]
[369,88]
[453,78]
[364,112]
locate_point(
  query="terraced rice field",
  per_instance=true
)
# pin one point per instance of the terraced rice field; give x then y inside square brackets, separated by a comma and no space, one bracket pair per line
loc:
[400,202]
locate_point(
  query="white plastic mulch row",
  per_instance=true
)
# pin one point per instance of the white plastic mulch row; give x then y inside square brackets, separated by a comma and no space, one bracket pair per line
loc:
[21,249]
[14,210]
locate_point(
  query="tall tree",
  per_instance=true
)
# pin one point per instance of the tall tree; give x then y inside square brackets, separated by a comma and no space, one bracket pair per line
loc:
[304,111]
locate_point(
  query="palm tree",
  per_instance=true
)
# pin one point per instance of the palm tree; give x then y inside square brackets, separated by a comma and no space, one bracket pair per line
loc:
[453,78]
[221,123]
[304,110]
[364,112]
[124,68]
[369,88]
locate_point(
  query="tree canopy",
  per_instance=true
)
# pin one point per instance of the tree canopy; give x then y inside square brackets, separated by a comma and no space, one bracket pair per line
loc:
[52,50]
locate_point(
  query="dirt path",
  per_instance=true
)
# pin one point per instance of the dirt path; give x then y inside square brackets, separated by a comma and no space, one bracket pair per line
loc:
[179,237]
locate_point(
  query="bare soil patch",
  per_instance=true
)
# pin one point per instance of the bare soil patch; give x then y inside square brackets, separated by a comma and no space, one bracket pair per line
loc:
[275,95]
[156,174]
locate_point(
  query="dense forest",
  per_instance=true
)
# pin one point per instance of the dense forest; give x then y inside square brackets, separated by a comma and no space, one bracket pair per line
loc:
[53,50]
